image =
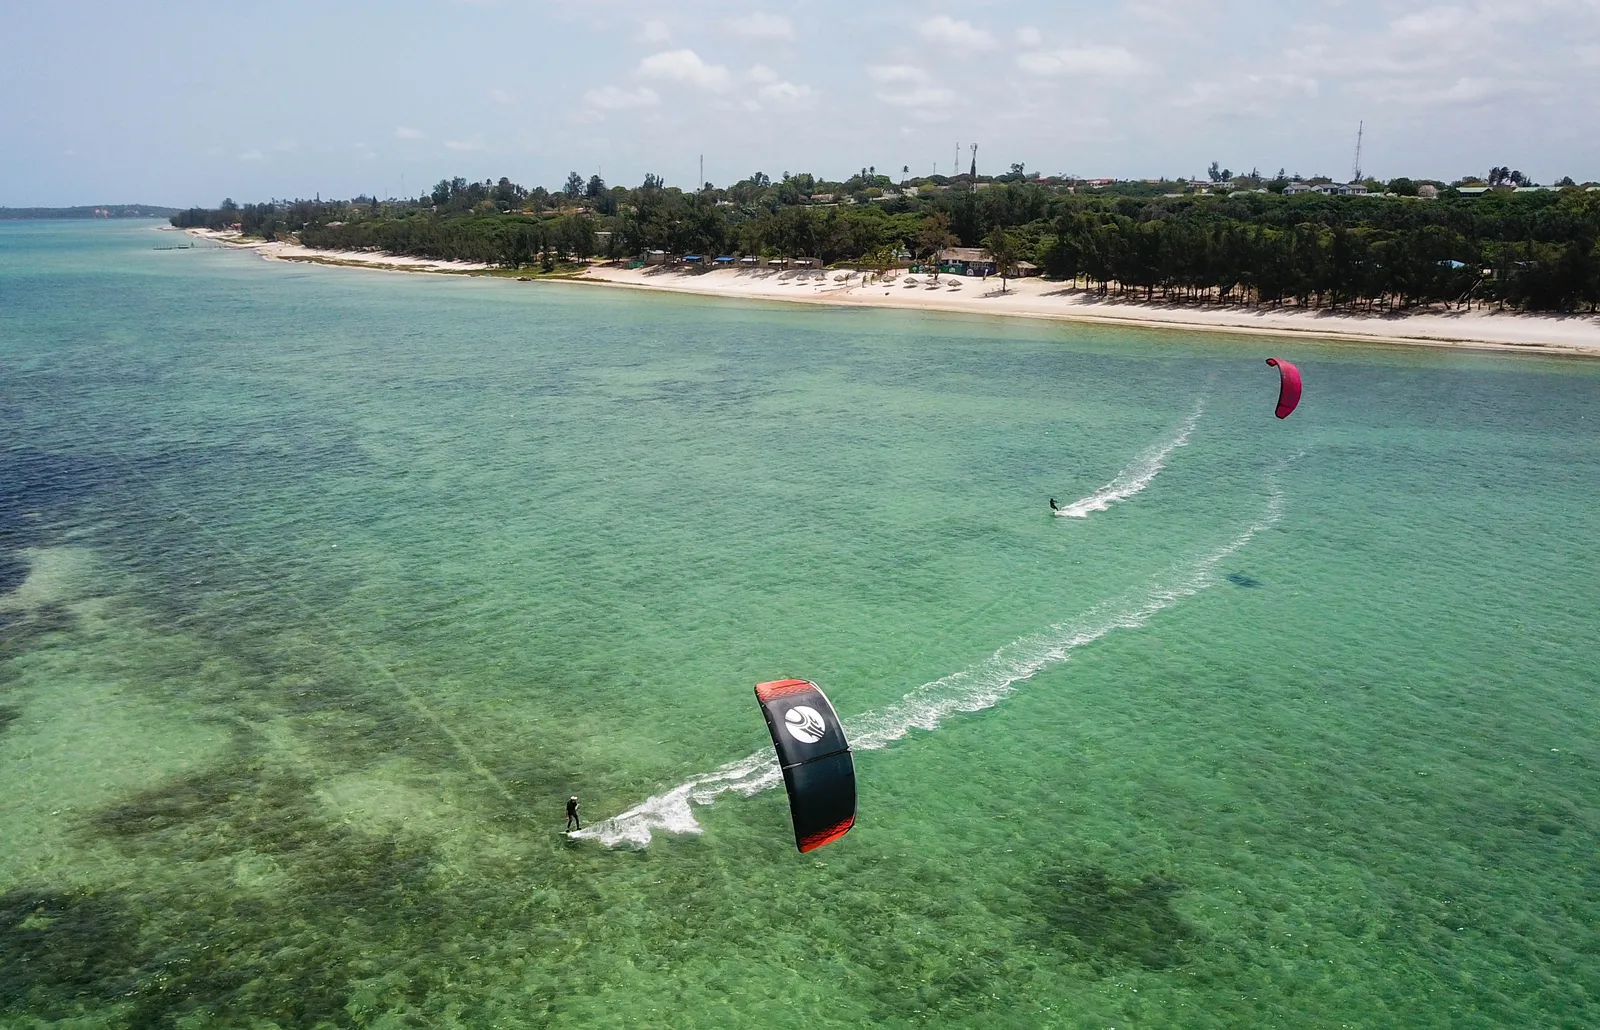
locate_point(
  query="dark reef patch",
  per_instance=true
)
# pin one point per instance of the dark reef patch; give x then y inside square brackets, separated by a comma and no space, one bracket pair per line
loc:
[8,715]
[338,907]
[59,950]
[20,632]
[1241,579]
[1110,922]
[13,570]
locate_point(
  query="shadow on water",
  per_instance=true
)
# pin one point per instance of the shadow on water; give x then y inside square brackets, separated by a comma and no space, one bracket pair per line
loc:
[1241,579]
[1109,922]
[8,715]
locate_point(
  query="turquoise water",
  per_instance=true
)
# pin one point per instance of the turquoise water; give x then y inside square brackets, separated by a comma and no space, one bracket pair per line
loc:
[321,589]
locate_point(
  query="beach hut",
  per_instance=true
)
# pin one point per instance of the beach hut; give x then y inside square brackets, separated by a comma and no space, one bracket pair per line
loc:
[966,261]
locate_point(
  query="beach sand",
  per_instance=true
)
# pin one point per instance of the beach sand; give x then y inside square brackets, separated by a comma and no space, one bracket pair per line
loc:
[1575,334]
[280,251]
[1037,298]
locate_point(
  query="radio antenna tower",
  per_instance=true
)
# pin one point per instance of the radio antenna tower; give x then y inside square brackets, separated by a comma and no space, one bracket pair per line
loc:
[955,166]
[974,172]
[1360,129]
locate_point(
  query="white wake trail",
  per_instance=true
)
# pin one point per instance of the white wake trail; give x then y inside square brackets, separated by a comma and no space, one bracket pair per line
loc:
[1138,473]
[973,689]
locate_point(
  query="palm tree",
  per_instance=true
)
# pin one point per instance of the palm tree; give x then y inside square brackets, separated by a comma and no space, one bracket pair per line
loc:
[1004,251]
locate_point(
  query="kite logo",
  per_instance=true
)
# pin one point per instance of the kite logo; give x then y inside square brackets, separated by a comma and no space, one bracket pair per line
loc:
[804,724]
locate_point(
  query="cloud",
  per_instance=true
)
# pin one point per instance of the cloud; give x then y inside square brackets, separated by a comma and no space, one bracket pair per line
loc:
[916,89]
[920,96]
[761,73]
[500,96]
[1090,60]
[464,145]
[891,73]
[615,98]
[957,35]
[250,155]
[684,66]
[653,31]
[785,92]
[761,25]
[1029,36]
[406,132]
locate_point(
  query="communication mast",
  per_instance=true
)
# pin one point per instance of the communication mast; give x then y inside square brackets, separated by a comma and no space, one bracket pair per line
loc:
[974,172]
[1360,128]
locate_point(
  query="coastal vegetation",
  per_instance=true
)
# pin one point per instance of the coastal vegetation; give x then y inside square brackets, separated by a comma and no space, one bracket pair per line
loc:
[1245,240]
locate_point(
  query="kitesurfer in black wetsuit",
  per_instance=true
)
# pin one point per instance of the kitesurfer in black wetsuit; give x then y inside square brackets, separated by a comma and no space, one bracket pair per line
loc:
[1053,505]
[572,813]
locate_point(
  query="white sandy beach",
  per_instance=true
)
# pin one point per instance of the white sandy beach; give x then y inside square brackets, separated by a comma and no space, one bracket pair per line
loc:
[1030,298]
[1037,298]
[279,251]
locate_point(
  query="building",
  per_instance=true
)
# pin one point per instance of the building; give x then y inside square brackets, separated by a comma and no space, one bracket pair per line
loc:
[1297,188]
[1428,191]
[966,261]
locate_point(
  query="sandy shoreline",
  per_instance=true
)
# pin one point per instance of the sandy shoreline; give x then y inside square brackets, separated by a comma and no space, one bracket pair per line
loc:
[1037,298]
[1034,298]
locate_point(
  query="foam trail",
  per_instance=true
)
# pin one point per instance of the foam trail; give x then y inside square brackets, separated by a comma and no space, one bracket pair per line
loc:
[973,689]
[1137,474]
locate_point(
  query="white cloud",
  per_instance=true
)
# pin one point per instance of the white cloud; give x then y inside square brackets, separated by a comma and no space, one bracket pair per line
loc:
[615,98]
[653,31]
[405,132]
[958,35]
[500,96]
[761,73]
[464,145]
[785,92]
[921,96]
[761,25]
[1090,60]
[890,73]
[250,155]
[1029,36]
[684,66]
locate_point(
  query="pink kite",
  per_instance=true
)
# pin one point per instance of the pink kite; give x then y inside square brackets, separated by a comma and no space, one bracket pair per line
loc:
[1288,386]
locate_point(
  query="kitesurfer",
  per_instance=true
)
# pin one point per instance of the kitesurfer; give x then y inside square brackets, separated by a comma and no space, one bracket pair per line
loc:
[572,813]
[1053,506]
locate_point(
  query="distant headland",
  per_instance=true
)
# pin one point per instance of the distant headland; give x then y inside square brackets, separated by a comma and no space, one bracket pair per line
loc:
[88,211]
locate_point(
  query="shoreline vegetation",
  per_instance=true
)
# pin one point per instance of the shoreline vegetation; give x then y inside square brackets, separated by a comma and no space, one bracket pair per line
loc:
[1556,334]
[1499,264]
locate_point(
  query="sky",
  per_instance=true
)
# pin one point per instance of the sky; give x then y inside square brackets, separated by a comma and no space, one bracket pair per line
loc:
[186,102]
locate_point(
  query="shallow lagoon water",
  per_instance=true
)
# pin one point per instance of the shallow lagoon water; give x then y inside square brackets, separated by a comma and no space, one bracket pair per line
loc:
[321,589]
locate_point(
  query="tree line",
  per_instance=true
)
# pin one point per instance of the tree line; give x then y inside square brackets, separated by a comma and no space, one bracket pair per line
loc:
[1532,250]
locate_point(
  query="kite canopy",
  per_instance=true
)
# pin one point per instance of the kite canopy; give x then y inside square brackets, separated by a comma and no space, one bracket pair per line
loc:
[817,768]
[1288,386]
